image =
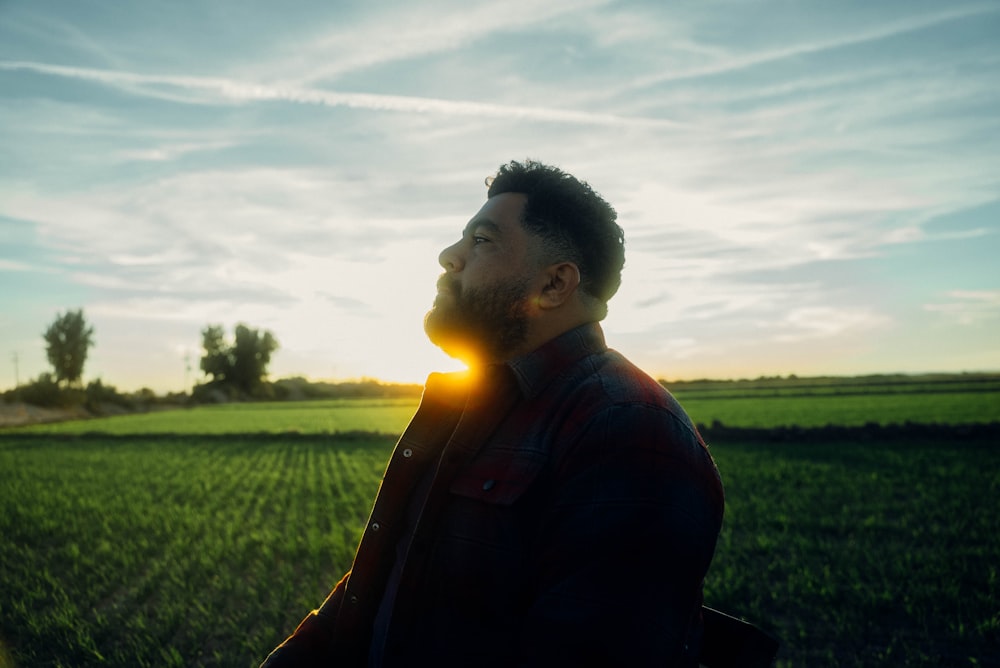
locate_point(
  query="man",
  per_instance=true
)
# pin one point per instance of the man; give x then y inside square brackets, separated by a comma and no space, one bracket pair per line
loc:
[554,506]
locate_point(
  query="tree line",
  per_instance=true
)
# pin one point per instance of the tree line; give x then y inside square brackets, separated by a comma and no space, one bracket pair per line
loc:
[235,368]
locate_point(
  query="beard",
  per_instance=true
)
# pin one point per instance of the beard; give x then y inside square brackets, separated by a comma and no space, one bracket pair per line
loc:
[477,324]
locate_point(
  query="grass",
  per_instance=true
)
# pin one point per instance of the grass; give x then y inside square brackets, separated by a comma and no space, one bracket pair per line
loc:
[187,551]
[200,537]
[841,385]
[864,553]
[850,410]
[390,416]
[131,551]
[308,417]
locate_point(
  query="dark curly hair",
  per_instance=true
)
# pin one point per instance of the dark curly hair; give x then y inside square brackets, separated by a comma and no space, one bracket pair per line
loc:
[574,222]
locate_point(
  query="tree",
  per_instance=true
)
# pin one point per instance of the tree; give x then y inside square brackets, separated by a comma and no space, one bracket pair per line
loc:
[242,365]
[251,355]
[67,341]
[216,362]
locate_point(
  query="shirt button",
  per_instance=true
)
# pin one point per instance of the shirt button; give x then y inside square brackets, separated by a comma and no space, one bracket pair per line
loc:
[376,526]
[407,453]
[354,598]
[488,485]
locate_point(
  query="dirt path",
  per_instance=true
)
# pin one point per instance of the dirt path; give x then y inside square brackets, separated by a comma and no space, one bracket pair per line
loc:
[13,415]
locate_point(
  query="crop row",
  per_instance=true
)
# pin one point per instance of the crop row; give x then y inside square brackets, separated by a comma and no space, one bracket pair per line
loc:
[207,551]
[848,411]
[390,416]
[893,383]
[182,553]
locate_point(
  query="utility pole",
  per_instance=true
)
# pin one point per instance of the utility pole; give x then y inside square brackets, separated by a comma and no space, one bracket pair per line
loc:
[17,376]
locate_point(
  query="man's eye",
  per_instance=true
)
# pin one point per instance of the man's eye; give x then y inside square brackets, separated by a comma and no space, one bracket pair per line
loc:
[478,239]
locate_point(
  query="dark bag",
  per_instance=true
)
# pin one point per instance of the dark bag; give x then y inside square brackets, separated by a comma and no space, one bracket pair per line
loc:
[728,642]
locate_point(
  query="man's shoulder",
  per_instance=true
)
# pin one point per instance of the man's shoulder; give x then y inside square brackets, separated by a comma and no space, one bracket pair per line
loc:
[608,380]
[611,374]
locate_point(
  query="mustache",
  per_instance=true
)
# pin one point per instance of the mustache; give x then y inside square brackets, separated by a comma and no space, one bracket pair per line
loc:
[446,283]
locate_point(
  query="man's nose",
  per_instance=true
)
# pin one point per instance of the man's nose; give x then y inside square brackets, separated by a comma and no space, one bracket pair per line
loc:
[451,258]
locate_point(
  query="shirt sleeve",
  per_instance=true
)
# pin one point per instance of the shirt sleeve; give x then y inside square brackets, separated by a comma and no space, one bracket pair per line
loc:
[309,646]
[624,544]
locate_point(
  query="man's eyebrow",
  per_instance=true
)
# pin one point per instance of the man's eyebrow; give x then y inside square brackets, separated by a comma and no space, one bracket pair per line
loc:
[484,224]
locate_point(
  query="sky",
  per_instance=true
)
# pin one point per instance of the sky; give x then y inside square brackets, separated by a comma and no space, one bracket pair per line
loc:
[807,188]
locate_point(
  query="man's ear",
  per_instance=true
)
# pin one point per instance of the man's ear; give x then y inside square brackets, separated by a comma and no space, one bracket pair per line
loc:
[561,281]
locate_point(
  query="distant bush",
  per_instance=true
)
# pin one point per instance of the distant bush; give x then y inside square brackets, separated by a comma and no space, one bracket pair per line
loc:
[46,392]
[212,393]
[96,397]
[300,389]
[100,397]
[217,392]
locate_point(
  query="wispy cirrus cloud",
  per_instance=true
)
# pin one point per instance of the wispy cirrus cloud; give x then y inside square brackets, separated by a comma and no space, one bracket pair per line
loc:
[233,91]
[171,151]
[825,322]
[747,60]
[968,307]
[16,265]
[303,174]
[414,30]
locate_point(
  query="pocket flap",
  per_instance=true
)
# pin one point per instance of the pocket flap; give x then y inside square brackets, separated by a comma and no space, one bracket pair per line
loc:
[499,475]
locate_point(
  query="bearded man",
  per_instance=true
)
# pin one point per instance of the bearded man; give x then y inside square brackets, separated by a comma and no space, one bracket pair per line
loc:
[553,506]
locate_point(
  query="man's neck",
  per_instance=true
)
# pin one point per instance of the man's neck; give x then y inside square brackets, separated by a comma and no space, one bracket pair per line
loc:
[543,331]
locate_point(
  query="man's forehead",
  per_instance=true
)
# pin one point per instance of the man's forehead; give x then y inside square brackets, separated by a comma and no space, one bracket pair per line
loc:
[500,211]
[482,223]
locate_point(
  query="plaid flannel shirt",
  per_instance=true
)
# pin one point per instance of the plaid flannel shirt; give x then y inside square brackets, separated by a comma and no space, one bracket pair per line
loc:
[571,516]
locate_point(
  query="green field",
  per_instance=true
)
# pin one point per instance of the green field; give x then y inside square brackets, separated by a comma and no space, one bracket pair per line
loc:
[747,407]
[205,547]
[387,416]
[173,552]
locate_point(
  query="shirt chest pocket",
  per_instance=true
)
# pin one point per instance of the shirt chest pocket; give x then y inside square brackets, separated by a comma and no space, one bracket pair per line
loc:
[499,476]
[486,528]
[492,505]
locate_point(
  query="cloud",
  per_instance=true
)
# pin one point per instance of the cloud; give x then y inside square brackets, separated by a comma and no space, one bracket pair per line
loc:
[748,60]
[824,322]
[234,238]
[16,265]
[167,152]
[302,177]
[346,303]
[968,307]
[412,31]
[233,91]
[723,228]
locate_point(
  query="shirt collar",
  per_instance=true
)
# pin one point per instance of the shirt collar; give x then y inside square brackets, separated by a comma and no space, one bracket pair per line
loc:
[540,367]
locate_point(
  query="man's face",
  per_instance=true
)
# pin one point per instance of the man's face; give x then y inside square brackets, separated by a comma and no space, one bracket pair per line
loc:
[481,312]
